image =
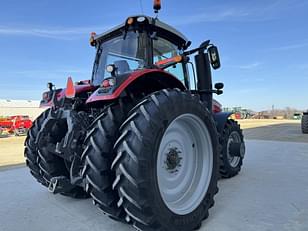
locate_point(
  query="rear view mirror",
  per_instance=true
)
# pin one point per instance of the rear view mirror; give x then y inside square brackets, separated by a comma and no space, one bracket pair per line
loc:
[214,57]
[219,86]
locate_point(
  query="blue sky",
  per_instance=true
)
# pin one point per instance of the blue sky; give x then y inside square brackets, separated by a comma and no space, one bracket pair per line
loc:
[263,44]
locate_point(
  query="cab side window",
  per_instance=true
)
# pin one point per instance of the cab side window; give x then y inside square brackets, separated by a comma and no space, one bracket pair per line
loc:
[163,49]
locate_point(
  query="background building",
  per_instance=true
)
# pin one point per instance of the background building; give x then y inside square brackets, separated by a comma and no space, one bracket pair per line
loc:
[20,107]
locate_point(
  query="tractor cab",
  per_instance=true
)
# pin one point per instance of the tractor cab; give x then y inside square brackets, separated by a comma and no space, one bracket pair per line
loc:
[139,43]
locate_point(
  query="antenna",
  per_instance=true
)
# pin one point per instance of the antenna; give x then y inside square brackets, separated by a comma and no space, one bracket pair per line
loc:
[157,6]
[141,6]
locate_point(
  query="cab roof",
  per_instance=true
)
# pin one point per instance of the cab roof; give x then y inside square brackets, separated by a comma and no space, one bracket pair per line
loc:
[163,30]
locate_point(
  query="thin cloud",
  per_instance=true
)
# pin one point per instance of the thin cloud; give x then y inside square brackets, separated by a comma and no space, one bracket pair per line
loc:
[250,66]
[52,33]
[247,12]
[50,71]
[291,46]
[54,74]
[221,16]
[243,91]
[246,66]
[218,16]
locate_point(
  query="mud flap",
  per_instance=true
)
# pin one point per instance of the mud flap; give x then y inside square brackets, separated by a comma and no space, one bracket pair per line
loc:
[221,119]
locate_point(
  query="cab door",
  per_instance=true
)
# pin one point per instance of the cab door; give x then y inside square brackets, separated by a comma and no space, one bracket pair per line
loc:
[164,49]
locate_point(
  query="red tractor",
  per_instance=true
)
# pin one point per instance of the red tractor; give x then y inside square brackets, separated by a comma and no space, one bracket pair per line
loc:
[17,125]
[138,138]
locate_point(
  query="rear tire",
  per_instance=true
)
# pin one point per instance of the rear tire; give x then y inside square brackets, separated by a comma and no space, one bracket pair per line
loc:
[305,123]
[141,163]
[230,166]
[43,164]
[97,158]
[31,152]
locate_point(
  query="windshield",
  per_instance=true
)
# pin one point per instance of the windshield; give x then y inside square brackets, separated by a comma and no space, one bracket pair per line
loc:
[127,54]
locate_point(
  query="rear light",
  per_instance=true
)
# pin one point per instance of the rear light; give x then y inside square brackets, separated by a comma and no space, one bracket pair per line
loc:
[45,96]
[108,83]
[105,83]
[112,82]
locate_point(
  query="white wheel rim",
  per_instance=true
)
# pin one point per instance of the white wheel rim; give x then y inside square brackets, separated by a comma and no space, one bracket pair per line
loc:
[184,164]
[233,137]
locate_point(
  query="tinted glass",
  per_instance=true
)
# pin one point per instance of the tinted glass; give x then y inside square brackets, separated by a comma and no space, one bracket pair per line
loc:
[163,49]
[126,54]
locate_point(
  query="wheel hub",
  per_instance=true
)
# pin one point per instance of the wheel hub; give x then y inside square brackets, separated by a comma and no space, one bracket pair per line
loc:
[173,160]
[184,164]
[234,151]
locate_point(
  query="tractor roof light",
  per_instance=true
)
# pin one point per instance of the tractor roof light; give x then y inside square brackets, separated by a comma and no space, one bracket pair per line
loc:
[141,19]
[130,21]
[92,39]
[157,6]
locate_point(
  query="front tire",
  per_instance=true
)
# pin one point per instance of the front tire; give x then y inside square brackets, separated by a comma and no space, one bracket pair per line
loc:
[305,123]
[230,165]
[167,163]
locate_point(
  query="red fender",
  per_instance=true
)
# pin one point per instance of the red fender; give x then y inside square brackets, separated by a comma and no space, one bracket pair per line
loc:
[217,107]
[132,77]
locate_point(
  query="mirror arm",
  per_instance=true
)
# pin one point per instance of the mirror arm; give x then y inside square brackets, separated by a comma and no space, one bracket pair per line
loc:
[217,92]
[202,47]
